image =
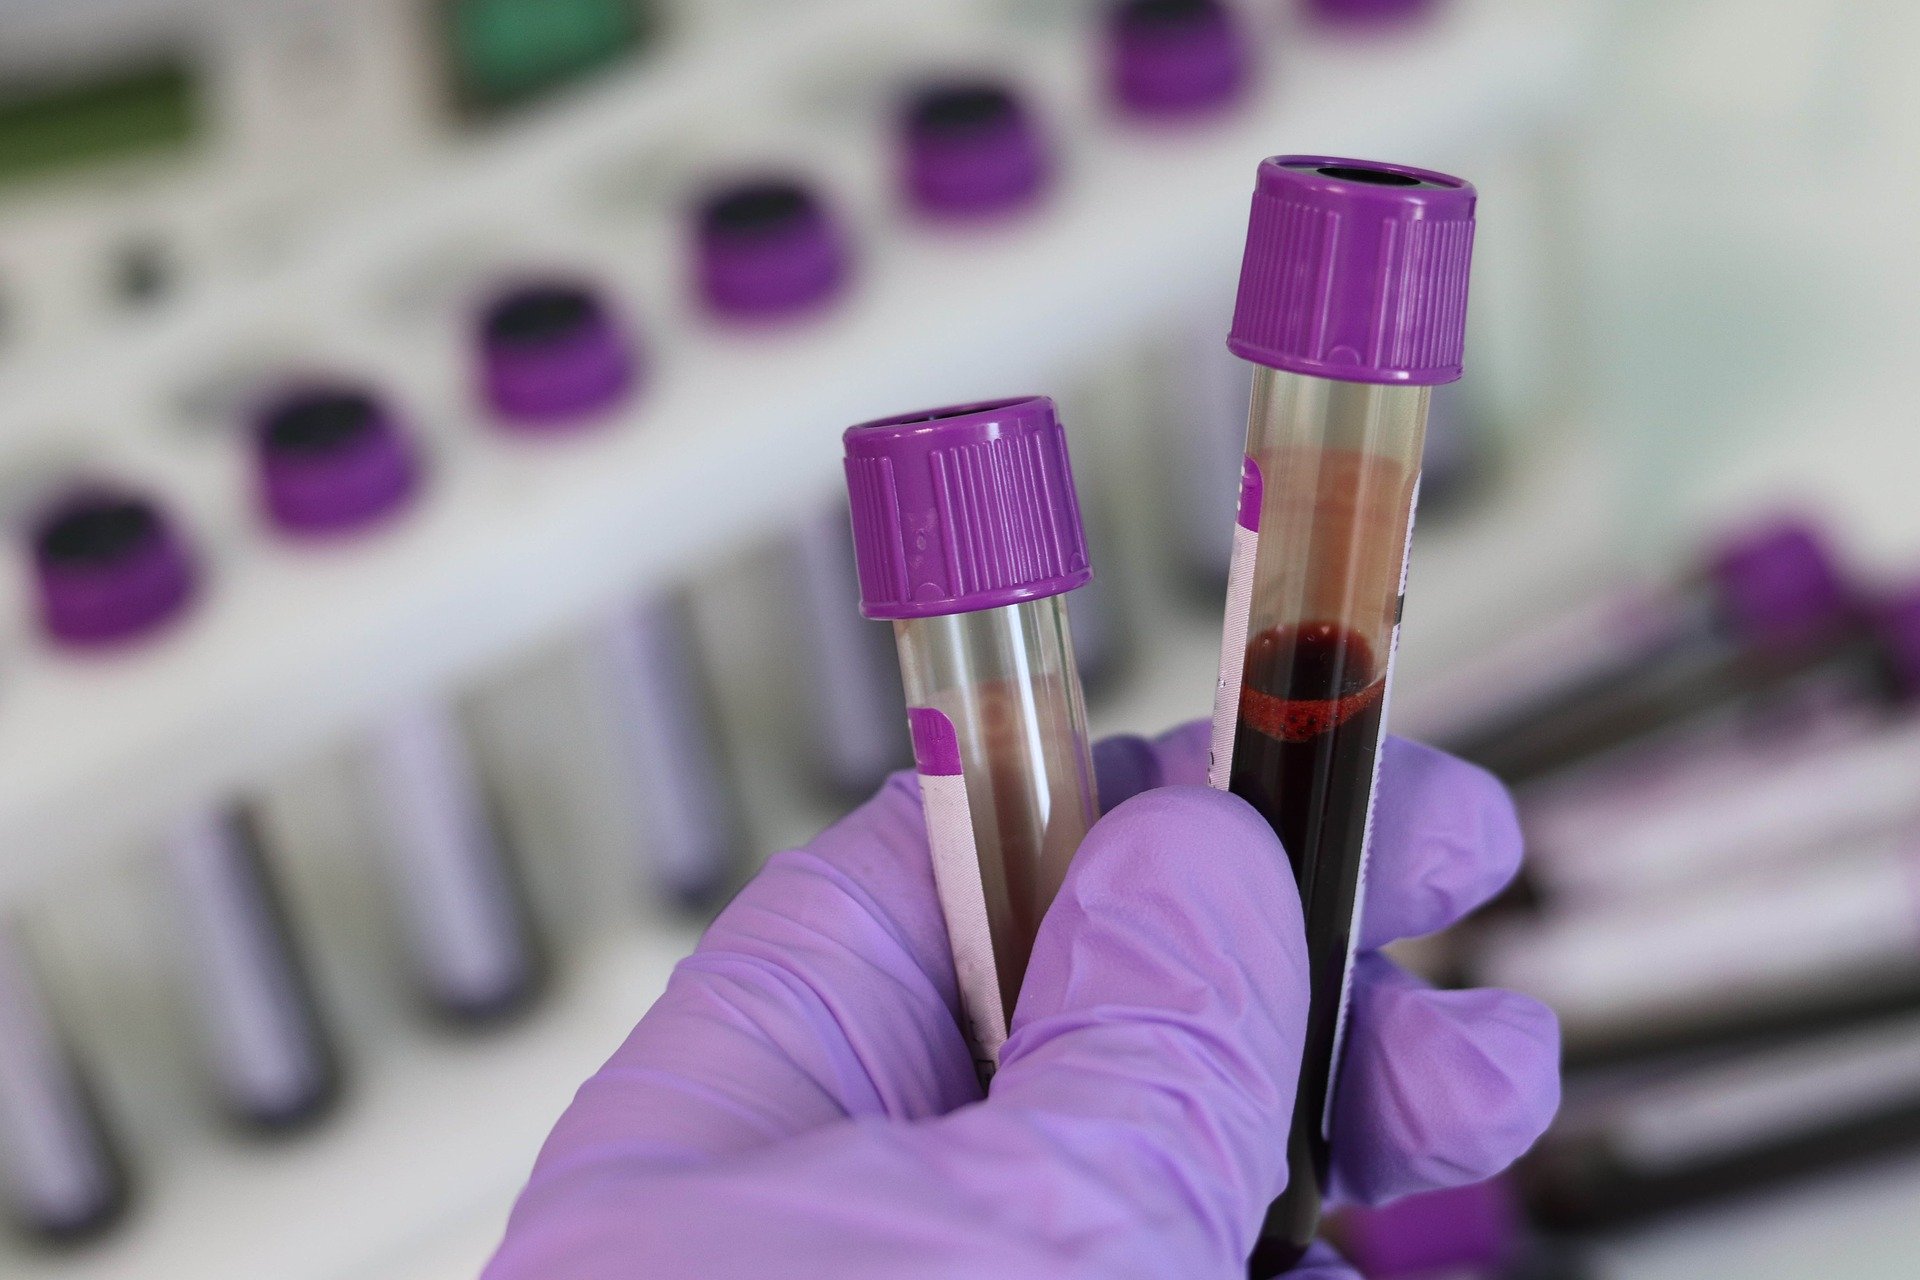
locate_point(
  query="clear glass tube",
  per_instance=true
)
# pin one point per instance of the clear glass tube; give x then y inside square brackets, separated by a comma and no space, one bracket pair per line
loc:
[269,1051]
[676,768]
[465,918]
[1313,612]
[853,693]
[59,1172]
[1000,734]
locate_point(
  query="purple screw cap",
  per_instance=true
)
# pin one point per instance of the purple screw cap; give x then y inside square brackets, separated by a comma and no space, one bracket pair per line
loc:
[970,149]
[767,249]
[1168,58]
[961,509]
[1368,12]
[1355,270]
[1779,585]
[1473,1229]
[330,459]
[552,355]
[108,567]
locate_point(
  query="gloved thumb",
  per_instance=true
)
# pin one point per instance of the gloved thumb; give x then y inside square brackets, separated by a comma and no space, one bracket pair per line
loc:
[1157,1037]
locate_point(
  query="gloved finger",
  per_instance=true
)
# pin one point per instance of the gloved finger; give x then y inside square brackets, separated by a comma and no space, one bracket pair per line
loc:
[1445,840]
[823,990]
[1123,767]
[1438,1088]
[1445,835]
[1157,1039]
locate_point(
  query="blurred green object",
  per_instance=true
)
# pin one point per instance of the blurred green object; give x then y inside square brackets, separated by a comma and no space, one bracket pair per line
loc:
[508,52]
[128,113]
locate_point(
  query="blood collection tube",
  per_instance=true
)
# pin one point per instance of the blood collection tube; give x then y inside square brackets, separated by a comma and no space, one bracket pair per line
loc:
[1635,1144]
[1174,60]
[554,359]
[110,570]
[1352,303]
[332,462]
[1173,63]
[770,252]
[268,1048]
[1768,606]
[975,589]
[60,1173]
[1830,940]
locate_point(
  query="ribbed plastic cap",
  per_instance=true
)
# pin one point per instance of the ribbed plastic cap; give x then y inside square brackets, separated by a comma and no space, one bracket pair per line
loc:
[965,508]
[970,149]
[552,355]
[108,566]
[1779,585]
[1355,270]
[1175,58]
[767,249]
[330,459]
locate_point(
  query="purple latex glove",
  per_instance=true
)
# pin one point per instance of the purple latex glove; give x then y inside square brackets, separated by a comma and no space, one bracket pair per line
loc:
[800,1101]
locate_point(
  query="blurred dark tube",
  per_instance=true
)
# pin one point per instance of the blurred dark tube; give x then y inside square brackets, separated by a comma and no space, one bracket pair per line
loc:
[1706,1133]
[61,1175]
[1768,607]
[268,1050]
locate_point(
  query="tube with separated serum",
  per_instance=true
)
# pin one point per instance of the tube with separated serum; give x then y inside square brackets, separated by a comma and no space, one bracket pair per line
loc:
[1352,304]
[967,536]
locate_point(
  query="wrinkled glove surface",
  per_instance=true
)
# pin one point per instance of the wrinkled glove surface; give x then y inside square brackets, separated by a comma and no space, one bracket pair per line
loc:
[800,1101]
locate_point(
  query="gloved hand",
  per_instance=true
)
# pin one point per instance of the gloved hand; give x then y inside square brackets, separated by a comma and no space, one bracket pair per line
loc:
[800,1101]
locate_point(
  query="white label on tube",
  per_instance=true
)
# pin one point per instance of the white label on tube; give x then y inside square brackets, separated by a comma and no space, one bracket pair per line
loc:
[1776,941]
[1766,1100]
[1366,836]
[1233,632]
[243,968]
[956,878]
[456,895]
[49,1159]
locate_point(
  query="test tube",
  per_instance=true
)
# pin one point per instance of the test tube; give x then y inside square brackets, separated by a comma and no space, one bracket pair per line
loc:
[769,252]
[1828,941]
[1767,606]
[967,537]
[1637,1145]
[1352,303]
[59,1170]
[333,462]
[554,360]
[268,1048]
[110,570]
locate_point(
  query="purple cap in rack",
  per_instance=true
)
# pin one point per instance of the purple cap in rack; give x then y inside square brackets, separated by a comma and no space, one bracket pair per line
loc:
[961,509]
[1355,270]
[1368,12]
[970,149]
[1896,623]
[1779,585]
[1175,57]
[330,459]
[108,567]
[1474,1229]
[767,249]
[552,355]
